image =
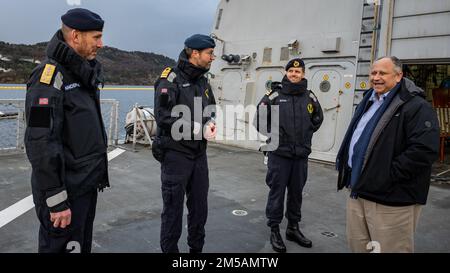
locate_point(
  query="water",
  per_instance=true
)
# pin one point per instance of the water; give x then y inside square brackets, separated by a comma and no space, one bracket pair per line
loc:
[127,96]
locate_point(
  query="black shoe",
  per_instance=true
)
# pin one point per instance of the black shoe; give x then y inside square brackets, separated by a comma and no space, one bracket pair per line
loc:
[277,242]
[294,234]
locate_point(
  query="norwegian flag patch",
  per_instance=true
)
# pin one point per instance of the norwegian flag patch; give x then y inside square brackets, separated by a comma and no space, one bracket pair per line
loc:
[43,101]
[164,90]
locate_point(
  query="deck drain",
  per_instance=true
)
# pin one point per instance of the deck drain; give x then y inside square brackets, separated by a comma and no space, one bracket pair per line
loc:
[329,234]
[239,212]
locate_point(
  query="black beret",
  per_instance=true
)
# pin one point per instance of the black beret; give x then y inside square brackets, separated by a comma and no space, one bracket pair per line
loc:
[83,20]
[199,41]
[297,62]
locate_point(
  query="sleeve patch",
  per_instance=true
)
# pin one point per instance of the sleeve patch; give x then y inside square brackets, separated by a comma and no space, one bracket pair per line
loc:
[40,117]
[47,73]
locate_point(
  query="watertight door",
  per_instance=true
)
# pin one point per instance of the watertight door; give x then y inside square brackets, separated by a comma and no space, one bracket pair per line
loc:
[231,88]
[332,83]
[264,78]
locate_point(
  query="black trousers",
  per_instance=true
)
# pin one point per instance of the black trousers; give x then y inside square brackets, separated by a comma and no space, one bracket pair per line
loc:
[285,173]
[182,176]
[75,238]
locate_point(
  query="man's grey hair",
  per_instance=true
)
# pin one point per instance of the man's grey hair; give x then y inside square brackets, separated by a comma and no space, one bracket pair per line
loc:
[398,66]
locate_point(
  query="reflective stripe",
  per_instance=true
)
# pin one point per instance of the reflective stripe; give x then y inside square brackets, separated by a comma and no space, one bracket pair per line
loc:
[57,199]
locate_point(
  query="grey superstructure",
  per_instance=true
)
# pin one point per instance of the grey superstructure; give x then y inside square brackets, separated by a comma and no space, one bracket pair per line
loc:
[338,40]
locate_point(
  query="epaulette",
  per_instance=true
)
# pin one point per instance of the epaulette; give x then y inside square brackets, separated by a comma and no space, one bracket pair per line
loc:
[47,74]
[272,94]
[168,74]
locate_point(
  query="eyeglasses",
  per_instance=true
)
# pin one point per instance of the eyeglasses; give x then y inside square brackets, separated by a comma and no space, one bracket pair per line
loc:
[210,53]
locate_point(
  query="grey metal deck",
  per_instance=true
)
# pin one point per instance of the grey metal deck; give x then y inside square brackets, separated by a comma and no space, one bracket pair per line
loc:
[128,214]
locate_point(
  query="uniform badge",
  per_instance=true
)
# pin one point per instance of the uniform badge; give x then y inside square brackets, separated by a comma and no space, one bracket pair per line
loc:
[58,83]
[47,73]
[43,101]
[207,93]
[164,90]
[166,73]
[310,108]
[296,64]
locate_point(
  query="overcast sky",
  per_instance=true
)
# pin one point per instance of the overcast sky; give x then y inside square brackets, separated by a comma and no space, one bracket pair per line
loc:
[158,26]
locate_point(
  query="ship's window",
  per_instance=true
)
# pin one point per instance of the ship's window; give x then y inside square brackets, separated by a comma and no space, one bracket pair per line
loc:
[267,56]
[284,54]
[325,86]
[219,17]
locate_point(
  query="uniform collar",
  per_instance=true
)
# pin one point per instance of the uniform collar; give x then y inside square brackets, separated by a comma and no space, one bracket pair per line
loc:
[89,72]
[290,88]
[192,72]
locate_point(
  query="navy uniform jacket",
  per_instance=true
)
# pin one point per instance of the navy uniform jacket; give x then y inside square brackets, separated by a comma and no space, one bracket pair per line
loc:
[65,138]
[179,86]
[300,115]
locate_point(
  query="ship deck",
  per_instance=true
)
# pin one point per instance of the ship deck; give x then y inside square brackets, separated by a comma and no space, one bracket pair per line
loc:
[128,213]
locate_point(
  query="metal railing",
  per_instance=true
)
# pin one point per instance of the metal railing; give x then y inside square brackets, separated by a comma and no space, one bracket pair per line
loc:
[13,124]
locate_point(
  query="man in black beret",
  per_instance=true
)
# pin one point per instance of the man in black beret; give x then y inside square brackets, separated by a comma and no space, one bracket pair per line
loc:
[300,115]
[65,137]
[182,140]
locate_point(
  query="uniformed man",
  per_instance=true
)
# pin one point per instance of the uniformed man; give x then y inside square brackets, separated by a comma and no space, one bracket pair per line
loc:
[183,139]
[65,137]
[300,115]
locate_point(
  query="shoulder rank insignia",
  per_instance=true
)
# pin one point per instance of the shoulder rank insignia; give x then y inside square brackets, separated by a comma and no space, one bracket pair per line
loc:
[312,96]
[166,73]
[273,95]
[310,108]
[47,74]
